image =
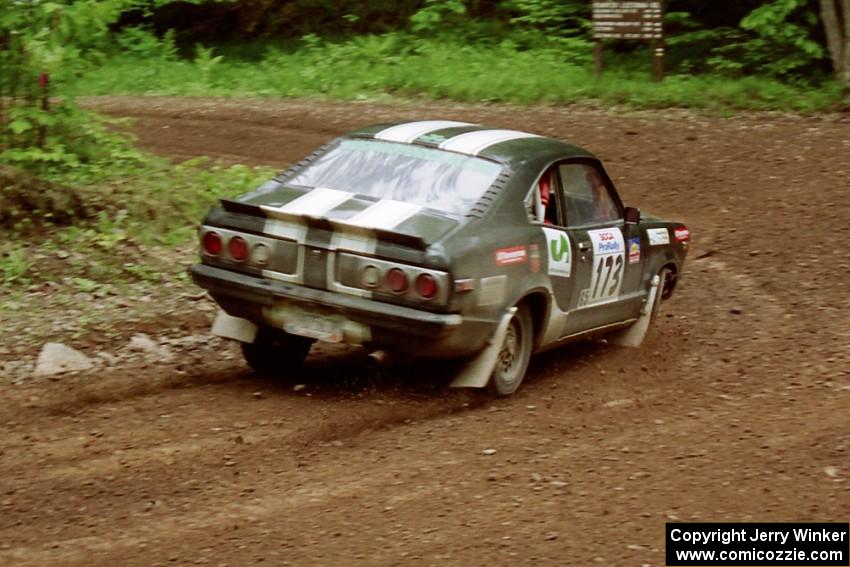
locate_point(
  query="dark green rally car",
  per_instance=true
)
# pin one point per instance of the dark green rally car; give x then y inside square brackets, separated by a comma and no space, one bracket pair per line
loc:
[436,239]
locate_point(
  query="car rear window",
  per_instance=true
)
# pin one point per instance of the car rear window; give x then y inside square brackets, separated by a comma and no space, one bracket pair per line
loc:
[433,178]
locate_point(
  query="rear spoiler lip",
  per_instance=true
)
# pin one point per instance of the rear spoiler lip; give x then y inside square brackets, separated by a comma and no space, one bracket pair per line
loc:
[395,237]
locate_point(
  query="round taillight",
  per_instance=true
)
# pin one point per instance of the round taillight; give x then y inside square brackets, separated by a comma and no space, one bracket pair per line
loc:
[370,276]
[397,280]
[238,248]
[211,243]
[426,285]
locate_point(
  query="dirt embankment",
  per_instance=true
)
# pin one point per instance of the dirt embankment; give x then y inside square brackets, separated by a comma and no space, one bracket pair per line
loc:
[735,410]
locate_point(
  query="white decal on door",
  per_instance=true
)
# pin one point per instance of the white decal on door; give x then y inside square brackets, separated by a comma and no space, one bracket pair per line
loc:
[558,252]
[658,236]
[609,258]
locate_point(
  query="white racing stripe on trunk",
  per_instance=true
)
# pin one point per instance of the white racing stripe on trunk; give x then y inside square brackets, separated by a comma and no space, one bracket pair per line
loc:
[317,202]
[386,214]
[283,229]
[473,143]
[353,242]
[411,130]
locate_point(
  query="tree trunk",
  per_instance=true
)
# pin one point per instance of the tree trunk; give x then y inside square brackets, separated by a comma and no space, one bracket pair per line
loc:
[836,24]
[845,67]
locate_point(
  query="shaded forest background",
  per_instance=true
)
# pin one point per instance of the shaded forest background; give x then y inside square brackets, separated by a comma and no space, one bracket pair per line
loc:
[776,37]
[748,54]
[69,178]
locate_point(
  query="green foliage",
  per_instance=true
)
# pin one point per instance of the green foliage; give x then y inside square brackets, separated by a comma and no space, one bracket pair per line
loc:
[206,62]
[782,46]
[141,42]
[47,45]
[775,39]
[407,65]
[436,15]
[554,17]
[151,204]
[14,266]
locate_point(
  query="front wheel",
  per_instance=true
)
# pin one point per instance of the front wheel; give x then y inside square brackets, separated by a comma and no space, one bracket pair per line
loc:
[275,352]
[514,354]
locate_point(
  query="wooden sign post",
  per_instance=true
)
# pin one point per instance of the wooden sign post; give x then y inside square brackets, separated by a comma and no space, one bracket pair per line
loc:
[641,20]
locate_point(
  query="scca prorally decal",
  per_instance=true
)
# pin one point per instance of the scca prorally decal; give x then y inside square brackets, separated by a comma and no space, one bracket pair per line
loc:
[609,256]
[511,255]
[634,250]
[658,236]
[559,253]
[409,131]
[681,234]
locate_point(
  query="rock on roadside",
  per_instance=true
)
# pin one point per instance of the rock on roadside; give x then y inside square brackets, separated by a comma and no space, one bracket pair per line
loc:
[143,344]
[56,358]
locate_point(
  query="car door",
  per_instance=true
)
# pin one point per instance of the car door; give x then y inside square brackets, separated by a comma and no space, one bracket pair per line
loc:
[606,273]
[546,210]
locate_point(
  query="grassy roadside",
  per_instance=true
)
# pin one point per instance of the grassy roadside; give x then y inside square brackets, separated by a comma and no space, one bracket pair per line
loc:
[372,66]
[124,251]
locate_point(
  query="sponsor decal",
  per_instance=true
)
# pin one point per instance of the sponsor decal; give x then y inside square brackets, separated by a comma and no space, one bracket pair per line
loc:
[609,257]
[511,255]
[559,251]
[492,290]
[606,241]
[634,250]
[534,255]
[681,234]
[658,236]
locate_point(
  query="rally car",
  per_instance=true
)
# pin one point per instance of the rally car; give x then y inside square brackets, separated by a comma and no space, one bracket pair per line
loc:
[436,239]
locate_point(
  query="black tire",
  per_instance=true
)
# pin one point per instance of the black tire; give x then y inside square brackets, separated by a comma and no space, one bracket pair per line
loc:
[275,352]
[514,354]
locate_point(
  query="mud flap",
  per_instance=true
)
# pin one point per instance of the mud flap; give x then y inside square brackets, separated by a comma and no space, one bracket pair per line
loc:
[633,336]
[235,328]
[476,373]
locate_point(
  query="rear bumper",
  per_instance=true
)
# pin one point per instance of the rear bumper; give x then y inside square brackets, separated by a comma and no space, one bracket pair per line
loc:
[392,326]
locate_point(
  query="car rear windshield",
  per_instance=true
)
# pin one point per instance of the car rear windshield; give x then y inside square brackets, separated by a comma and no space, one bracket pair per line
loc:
[433,178]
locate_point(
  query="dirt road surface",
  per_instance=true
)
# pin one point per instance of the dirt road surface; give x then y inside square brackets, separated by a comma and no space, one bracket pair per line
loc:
[736,410]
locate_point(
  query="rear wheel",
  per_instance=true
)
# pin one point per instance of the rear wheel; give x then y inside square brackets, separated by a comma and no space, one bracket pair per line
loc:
[275,352]
[515,352]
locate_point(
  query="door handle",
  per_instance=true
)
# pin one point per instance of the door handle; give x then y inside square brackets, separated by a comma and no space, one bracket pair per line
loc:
[584,246]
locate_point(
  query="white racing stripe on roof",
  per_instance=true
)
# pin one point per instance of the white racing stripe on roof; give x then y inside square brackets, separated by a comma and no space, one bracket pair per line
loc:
[385,214]
[409,131]
[316,202]
[473,143]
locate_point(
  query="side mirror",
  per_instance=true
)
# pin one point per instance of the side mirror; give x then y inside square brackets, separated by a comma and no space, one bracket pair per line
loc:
[632,215]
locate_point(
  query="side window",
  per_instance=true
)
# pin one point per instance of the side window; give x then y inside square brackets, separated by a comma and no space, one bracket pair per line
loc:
[544,205]
[586,195]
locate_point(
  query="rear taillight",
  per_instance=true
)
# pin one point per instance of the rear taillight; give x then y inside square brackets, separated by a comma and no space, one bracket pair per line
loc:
[238,248]
[397,280]
[260,254]
[682,234]
[426,285]
[211,243]
[370,276]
